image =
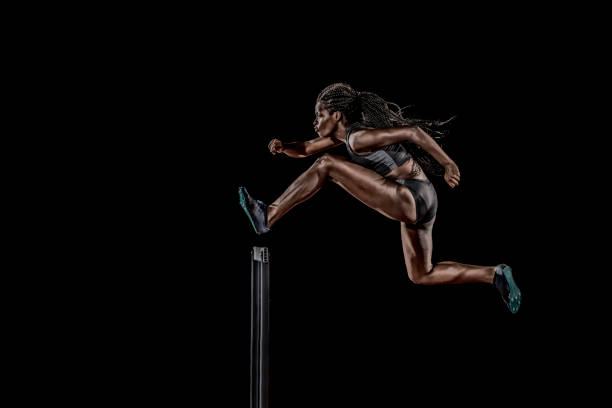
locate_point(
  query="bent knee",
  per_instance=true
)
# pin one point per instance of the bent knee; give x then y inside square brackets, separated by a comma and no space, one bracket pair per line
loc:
[420,275]
[326,161]
[417,278]
[327,158]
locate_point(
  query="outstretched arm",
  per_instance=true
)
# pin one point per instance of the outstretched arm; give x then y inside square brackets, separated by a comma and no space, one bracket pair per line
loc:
[303,149]
[365,140]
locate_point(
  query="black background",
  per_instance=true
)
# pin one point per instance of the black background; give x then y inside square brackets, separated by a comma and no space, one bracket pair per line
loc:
[142,285]
[348,327]
[346,322]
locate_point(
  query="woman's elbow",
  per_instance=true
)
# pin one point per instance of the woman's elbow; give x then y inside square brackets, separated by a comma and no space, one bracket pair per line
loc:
[413,134]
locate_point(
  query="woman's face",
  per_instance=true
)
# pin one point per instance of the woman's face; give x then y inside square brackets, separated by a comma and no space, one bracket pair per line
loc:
[324,122]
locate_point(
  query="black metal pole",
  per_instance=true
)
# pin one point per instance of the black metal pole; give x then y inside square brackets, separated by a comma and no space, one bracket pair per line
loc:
[260,326]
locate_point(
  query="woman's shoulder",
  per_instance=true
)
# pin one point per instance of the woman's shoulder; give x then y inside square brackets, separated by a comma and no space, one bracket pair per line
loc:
[353,127]
[358,126]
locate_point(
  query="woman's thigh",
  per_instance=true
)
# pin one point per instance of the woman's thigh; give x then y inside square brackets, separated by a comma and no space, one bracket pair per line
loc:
[383,195]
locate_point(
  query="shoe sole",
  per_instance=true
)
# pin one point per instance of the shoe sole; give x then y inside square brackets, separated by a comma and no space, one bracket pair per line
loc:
[515,294]
[244,207]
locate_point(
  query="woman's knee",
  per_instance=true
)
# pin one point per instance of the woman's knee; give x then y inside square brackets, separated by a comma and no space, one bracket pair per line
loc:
[325,162]
[415,276]
[419,274]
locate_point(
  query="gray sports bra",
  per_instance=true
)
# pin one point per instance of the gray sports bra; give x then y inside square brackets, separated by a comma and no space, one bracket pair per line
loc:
[382,160]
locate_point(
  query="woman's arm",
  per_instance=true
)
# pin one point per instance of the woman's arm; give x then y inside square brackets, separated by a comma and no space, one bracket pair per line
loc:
[365,140]
[451,171]
[303,149]
[430,146]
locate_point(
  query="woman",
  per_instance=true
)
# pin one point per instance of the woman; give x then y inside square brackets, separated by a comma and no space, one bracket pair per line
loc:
[387,155]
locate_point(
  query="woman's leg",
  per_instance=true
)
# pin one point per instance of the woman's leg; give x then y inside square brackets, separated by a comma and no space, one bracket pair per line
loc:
[387,197]
[417,244]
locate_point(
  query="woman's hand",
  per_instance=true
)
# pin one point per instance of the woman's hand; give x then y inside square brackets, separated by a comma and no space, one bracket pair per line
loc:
[275,146]
[451,174]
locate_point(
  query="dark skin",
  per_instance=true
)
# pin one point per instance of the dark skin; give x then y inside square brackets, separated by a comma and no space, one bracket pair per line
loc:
[381,193]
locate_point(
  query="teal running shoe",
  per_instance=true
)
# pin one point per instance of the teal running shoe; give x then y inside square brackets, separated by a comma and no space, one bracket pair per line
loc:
[256,210]
[504,282]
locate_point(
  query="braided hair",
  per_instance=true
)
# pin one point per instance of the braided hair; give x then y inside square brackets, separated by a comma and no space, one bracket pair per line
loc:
[373,111]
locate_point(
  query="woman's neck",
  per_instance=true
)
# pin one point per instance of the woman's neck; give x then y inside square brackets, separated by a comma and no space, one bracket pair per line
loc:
[340,132]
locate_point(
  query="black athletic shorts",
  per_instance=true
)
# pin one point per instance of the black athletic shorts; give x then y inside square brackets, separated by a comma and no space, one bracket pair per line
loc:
[425,197]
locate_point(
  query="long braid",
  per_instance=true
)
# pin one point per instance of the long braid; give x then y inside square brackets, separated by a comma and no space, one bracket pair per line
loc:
[373,111]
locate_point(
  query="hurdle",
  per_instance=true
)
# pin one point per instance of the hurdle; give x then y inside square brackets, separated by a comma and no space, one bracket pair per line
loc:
[260,326]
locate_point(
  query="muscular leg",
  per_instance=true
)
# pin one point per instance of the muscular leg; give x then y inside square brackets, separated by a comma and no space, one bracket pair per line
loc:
[387,197]
[417,245]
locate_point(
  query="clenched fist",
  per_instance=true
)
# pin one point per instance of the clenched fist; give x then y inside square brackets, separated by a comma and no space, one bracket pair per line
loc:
[451,174]
[275,146]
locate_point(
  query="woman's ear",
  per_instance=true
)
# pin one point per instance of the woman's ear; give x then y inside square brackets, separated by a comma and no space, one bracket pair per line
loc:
[337,116]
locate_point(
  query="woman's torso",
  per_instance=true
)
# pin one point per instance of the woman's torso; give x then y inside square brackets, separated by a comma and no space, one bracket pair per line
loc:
[392,161]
